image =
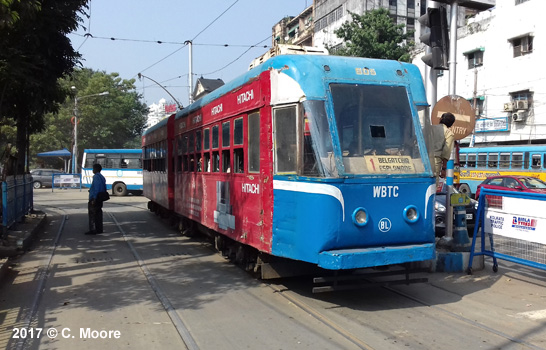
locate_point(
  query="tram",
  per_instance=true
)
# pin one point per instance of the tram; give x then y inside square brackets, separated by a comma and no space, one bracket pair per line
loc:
[157,173]
[313,158]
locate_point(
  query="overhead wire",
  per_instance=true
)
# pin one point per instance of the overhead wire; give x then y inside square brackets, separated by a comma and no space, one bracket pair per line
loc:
[235,60]
[186,43]
[88,27]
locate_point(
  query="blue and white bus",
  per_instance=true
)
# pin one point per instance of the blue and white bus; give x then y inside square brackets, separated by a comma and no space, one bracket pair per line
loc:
[122,169]
[479,163]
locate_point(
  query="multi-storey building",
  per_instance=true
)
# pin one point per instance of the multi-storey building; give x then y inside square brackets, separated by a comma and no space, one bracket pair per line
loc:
[499,53]
[329,15]
[295,30]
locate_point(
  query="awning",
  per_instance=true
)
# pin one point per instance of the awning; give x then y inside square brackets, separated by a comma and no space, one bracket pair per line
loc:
[60,153]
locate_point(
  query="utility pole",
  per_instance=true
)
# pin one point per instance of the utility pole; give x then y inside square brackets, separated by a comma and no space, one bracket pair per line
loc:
[190,73]
[75,147]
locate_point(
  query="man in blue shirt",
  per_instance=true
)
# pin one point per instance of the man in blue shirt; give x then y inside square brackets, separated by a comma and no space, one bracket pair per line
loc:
[94,206]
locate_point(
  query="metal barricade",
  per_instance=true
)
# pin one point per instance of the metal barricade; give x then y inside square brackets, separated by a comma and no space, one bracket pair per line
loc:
[515,224]
[66,182]
[17,199]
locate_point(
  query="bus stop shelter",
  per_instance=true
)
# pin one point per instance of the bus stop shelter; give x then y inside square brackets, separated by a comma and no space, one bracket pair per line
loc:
[62,153]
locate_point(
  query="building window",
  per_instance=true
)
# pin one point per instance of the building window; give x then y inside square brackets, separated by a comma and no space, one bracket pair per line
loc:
[411,24]
[392,6]
[518,2]
[475,59]
[522,45]
[330,18]
[522,100]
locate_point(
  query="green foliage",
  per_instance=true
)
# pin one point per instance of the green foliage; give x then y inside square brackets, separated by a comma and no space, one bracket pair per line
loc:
[115,120]
[374,35]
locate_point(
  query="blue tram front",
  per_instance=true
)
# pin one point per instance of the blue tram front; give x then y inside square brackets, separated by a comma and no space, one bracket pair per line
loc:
[353,185]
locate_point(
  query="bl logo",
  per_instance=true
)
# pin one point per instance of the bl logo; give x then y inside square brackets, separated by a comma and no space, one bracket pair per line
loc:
[384,225]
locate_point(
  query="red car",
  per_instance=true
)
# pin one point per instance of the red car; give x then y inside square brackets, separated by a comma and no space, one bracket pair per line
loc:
[513,183]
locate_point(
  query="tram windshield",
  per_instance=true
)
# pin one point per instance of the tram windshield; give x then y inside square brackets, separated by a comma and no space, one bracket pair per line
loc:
[376,129]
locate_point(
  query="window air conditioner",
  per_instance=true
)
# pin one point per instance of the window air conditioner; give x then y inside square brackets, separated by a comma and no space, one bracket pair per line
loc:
[508,107]
[521,104]
[519,116]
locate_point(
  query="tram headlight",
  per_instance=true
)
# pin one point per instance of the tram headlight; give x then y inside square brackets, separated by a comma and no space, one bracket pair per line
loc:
[360,217]
[411,214]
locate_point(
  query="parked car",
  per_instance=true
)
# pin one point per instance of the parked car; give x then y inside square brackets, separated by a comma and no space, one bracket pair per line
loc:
[518,183]
[42,177]
[440,211]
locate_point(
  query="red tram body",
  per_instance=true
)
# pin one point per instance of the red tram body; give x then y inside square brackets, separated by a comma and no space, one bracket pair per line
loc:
[158,176]
[262,164]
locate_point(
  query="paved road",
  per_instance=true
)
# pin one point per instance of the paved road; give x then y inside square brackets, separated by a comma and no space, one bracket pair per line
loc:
[142,286]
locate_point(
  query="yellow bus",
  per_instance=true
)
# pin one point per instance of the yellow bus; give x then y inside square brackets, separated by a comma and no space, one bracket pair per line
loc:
[478,163]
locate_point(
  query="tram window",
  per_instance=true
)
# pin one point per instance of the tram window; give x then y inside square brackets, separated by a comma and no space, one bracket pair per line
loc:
[254,143]
[535,159]
[493,160]
[184,145]
[462,160]
[238,131]
[179,164]
[482,160]
[198,141]
[191,139]
[238,161]
[226,161]
[185,163]
[504,160]
[206,162]
[198,162]
[215,161]
[471,163]
[191,162]
[206,140]
[517,160]
[285,139]
[225,134]
[215,136]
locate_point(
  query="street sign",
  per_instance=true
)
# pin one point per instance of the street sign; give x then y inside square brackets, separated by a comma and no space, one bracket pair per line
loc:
[465,116]
[459,199]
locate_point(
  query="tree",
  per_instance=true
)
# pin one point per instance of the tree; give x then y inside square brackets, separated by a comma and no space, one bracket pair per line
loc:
[112,121]
[374,35]
[35,54]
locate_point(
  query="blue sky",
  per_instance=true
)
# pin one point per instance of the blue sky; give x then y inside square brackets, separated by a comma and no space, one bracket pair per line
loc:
[136,26]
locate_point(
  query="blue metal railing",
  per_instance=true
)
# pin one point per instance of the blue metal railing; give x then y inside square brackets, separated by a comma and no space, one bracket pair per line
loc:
[17,200]
[521,251]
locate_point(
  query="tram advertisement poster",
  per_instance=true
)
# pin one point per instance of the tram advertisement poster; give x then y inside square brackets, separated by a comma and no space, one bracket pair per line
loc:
[390,164]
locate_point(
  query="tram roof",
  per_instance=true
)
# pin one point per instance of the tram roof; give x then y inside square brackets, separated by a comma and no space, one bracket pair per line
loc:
[306,68]
[158,125]
[114,150]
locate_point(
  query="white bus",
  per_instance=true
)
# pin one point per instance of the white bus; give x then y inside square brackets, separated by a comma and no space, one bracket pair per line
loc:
[122,169]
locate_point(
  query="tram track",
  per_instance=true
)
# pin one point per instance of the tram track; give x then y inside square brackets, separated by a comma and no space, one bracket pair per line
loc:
[43,275]
[155,280]
[464,319]
[177,321]
[42,278]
